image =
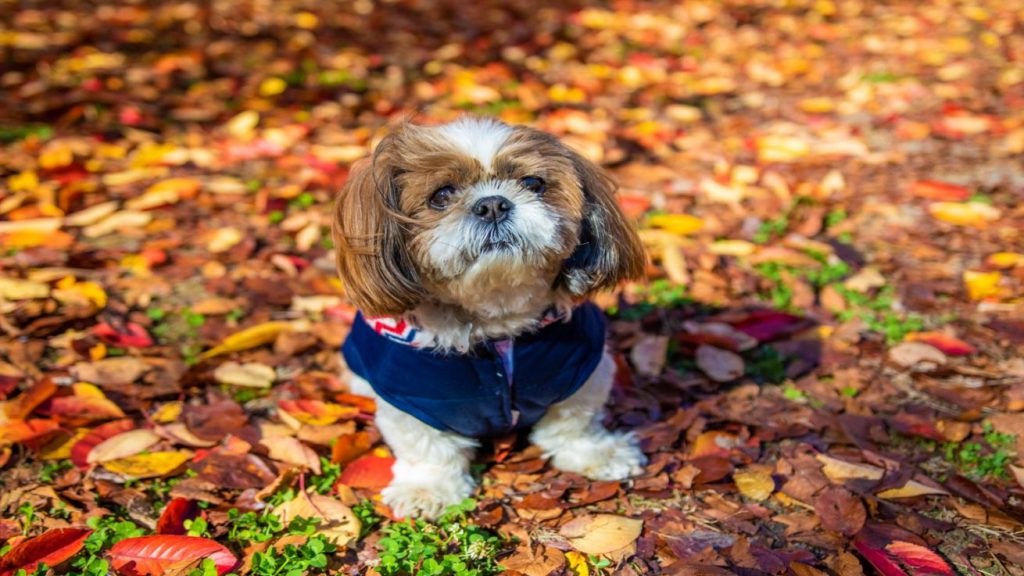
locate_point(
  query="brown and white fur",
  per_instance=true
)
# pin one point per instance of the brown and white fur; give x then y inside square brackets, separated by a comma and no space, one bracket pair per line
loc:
[411,242]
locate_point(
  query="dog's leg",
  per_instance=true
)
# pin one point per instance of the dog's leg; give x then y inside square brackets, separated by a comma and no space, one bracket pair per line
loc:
[572,434]
[431,470]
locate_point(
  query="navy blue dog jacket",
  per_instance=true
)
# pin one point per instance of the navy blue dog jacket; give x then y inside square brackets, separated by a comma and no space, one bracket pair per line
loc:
[497,387]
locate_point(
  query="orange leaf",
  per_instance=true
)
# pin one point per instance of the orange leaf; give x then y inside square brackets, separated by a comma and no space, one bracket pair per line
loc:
[368,472]
[949,345]
[350,446]
[26,430]
[23,405]
[713,443]
[934,190]
[317,412]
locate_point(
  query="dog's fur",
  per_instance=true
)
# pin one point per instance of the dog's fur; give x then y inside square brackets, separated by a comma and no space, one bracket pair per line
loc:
[465,281]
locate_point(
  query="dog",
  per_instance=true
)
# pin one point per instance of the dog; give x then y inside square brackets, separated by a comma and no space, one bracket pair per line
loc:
[469,249]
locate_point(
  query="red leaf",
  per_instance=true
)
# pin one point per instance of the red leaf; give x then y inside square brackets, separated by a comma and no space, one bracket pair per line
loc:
[949,345]
[934,190]
[891,557]
[51,548]
[153,555]
[172,519]
[368,472]
[80,451]
[131,336]
[765,325]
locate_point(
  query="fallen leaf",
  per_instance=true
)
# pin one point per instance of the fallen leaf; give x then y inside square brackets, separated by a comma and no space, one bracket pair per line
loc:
[974,214]
[601,533]
[149,465]
[81,449]
[122,445]
[840,510]
[51,548]
[15,431]
[172,519]
[153,555]
[681,224]
[948,345]
[337,522]
[755,481]
[916,354]
[369,471]
[317,412]
[292,451]
[981,285]
[249,338]
[14,289]
[249,375]
[719,365]
[351,446]
[935,190]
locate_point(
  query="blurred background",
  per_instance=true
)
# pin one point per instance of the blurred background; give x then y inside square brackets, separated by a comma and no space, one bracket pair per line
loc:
[830,190]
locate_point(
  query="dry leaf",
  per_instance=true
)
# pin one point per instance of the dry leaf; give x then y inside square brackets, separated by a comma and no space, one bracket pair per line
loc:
[601,533]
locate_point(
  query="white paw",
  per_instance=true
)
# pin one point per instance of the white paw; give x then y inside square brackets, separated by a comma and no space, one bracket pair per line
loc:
[604,456]
[426,497]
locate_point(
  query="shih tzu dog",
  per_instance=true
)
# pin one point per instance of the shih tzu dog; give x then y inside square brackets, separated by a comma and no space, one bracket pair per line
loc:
[470,248]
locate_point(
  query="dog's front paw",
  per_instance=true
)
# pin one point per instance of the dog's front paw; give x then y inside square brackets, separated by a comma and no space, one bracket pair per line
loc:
[606,456]
[426,494]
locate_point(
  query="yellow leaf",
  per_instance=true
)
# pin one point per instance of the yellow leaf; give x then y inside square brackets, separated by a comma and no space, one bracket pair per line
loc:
[602,533]
[92,214]
[755,481]
[56,156]
[15,289]
[164,193]
[69,290]
[167,413]
[248,338]
[116,222]
[224,239]
[778,148]
[1005,260]
[149,465]
[337,522]
[243,124]
[306,20]
[23,182]
[732,248]
[61,449]
[817,105]
[911,489]
[976,214]
[676,223]
[86,390]
[839,470]
[272,87]
[578,564]
[982,284]
[41,225]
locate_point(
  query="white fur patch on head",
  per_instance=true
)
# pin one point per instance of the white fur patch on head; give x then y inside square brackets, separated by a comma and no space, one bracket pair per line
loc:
[479,138]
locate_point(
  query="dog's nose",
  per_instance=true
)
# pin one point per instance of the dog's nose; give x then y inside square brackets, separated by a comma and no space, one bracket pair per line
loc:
[492,208]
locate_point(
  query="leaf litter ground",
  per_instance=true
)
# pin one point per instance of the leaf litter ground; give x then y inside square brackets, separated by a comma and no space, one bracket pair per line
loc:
[824,366]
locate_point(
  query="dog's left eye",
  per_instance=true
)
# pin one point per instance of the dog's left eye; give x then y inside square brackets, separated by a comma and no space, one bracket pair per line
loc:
[441,197]
[533,184]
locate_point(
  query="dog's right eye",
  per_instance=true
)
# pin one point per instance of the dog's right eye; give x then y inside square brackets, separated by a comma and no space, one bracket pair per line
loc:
[441,197]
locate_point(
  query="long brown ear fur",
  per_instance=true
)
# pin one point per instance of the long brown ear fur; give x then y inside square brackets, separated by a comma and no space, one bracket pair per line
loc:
[609,250]
[373,262]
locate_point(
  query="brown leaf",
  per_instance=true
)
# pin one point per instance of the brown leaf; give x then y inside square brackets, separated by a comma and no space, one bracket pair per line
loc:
[840,510]
[601,533]
[719,365]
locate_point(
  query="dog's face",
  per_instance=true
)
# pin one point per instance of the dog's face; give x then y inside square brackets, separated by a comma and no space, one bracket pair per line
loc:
[451,212]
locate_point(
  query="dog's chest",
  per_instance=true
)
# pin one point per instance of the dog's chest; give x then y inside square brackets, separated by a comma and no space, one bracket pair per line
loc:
[496,388]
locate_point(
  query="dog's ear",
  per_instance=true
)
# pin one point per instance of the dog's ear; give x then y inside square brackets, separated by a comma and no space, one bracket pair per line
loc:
[609,249]
[370,248]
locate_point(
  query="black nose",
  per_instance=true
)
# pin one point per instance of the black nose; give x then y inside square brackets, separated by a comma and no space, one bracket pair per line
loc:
[492,209]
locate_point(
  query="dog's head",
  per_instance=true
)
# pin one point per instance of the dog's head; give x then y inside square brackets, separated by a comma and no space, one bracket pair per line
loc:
[445,212]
